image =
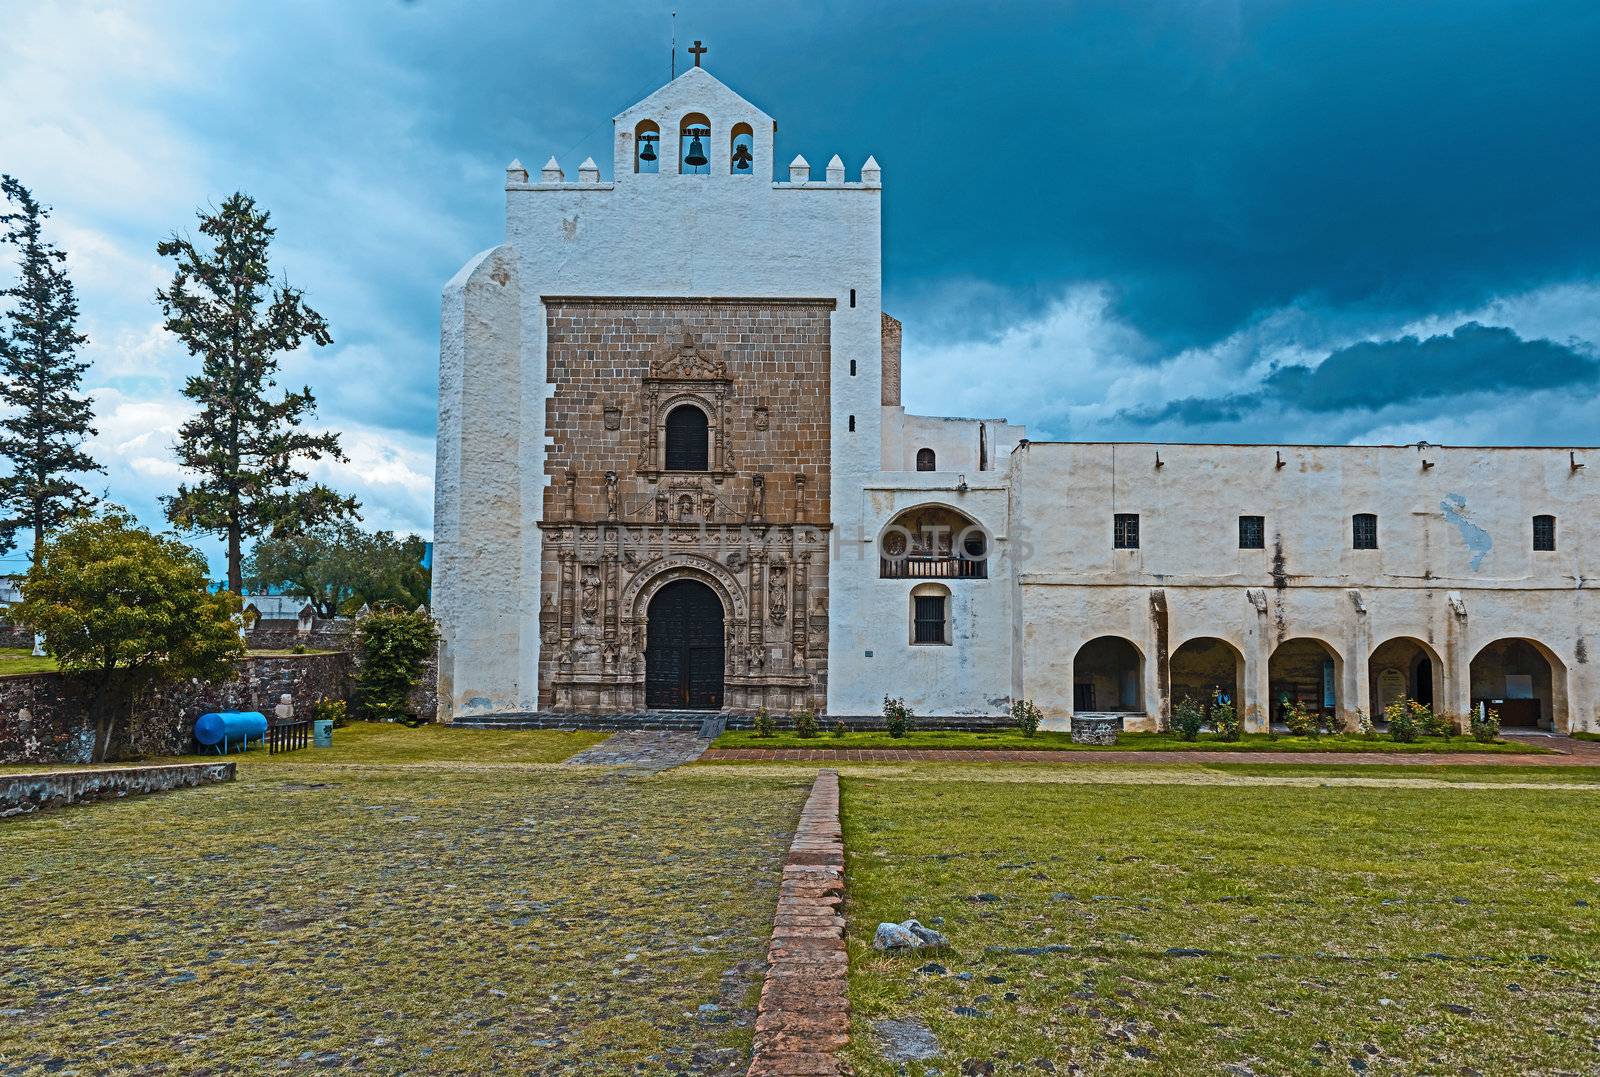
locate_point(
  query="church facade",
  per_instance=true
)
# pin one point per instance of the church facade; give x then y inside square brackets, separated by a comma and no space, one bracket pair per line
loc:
[674,472]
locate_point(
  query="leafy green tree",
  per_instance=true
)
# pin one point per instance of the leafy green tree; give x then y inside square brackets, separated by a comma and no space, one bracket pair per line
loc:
[245,446]
[341,567]
[129,611]
[49,419]
[392,647]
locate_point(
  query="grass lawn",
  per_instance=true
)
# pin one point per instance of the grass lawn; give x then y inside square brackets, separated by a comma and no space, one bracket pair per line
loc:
[1012,740]
[15,660]
[411,900]
[1123,925]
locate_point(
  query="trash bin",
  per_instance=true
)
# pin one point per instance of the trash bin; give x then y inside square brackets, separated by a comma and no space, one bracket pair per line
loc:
[322,733]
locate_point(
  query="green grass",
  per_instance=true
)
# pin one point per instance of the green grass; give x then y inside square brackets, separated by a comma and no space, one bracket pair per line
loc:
[1012,740]
[19,660]
[1339,923]
[1584,736]
[384,916]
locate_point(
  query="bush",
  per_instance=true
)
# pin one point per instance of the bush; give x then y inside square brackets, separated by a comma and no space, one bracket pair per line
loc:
[1025,716]
[896,716]
[1486,729]
[764,725]
[805,724]
[1301,722]
[1433,723]
[1188,718]
[1402,721]
[330,710]
[1331,723]
[1364,727]
[1225,720]
[393,646]
[839,728]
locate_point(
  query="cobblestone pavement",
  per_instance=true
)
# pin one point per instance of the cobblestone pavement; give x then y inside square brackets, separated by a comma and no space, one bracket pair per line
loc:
[1573,753]
[642,750]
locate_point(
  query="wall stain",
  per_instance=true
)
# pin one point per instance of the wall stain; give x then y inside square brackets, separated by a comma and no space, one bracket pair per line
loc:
[1454,507]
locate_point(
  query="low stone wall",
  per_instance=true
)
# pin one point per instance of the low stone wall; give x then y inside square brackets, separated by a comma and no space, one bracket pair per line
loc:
[283,634]
[44,717]
[24,793]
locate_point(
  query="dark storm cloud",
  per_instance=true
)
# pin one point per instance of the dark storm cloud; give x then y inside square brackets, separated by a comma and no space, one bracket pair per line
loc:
[1376,374]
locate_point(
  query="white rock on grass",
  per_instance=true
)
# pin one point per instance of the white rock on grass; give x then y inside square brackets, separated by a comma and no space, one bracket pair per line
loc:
[909,935]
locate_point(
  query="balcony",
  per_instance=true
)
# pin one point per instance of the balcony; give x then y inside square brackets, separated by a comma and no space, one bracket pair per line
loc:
[913,567]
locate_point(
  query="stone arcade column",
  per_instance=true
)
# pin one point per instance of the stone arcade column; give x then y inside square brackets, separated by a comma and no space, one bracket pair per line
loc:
[1256,706]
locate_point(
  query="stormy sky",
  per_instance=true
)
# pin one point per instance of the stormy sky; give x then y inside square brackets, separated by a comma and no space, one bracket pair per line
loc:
[1324,221]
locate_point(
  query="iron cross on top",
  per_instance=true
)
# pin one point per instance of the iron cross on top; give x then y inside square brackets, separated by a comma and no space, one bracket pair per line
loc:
[697,50]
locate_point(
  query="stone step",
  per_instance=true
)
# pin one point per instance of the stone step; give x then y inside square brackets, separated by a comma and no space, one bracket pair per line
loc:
[710,723]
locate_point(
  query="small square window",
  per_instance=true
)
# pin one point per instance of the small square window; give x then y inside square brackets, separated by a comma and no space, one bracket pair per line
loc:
[1125,531]
[1544,533]
[1364,531]
[929,613]
[1252,532]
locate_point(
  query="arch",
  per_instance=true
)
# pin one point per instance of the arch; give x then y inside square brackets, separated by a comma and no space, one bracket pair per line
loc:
[933,541]
[1403,665]
[926,460]
[741,150]
[930,615]
[694,145]
[1207,669]
[1306,670]
[637,593]
[1523,680]
[688,439]
[647,147]
[1108,675]
[685,650]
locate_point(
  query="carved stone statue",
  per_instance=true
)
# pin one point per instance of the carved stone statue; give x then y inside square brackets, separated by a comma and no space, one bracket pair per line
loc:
[758,498]
[611,495]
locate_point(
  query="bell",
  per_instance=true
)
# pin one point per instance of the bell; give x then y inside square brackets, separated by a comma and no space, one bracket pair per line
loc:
[741,157]
[647,151]
[697,153]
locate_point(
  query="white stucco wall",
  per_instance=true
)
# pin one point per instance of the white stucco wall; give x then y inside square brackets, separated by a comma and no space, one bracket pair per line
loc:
[954,441]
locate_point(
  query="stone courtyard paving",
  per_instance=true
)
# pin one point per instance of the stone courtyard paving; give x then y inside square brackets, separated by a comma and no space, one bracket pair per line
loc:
[1239,920]
[459,902]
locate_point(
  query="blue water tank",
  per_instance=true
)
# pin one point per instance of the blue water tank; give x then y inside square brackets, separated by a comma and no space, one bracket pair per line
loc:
[229,728]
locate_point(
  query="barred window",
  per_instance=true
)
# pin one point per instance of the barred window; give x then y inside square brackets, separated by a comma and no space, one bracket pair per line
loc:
[930,613]
[925,460]
[1252,532]
[1125,530]
[1544,533]
[1364,531]
[688,439]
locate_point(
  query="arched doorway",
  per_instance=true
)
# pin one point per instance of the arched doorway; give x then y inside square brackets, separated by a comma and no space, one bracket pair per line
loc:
[1108,675]
[1304,671]
[683,658]
[1402,666]
[1206,670]
[1523,681]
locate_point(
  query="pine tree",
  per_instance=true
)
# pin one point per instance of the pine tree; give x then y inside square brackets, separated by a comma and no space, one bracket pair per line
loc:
[245,448]
[40,379]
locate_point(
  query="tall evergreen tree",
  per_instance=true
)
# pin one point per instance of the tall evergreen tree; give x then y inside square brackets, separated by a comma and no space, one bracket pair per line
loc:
[245,448]
[40,379]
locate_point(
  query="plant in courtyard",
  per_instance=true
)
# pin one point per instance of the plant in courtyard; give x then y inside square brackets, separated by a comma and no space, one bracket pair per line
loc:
[1364,727]
[1188,718]
[839,728]
[1486,726]
[764,725]
[805,723]
[896,716]
[392,647]
[1025,716]
[1402,719]
[47,417]
[1300,721]
[128,611]
[1435,723]
[244,448]
[1225,720]
[330,710]
[1330,722]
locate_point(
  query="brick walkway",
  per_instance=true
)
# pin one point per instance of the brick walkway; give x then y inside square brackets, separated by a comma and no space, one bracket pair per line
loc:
[804,1015]
[1573,753]
[651,751]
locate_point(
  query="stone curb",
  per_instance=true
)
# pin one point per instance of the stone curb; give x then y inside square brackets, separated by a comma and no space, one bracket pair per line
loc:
[804,1016]
[21,794]
[1577,753]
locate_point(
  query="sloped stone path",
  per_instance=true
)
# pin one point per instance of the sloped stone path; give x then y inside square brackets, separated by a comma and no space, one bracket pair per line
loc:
[642,750]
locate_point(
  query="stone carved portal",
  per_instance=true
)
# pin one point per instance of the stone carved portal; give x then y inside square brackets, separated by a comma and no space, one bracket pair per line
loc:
[684,649]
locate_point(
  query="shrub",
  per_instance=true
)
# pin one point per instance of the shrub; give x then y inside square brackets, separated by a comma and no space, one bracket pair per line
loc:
[1188,718]
[839,728]
[1301,722]
[1225,720]
[805,724]
[1434,723]
[764,725]
[1364,727]
[1331,723]
[1486,728]
[896,716]
[1402,721]
[1025,716]
[330,710]
[299,648]
[393,646]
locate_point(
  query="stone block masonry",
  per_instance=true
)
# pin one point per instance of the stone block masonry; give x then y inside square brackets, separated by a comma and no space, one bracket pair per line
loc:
[803,1021]
[21,794]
